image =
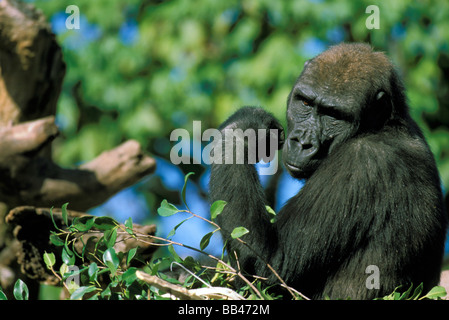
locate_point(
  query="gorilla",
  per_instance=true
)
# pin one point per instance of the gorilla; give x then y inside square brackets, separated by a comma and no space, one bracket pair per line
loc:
[372,199]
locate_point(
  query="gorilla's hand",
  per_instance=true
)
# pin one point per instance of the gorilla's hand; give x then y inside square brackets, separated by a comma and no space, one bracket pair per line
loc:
[259,125]
[251,118]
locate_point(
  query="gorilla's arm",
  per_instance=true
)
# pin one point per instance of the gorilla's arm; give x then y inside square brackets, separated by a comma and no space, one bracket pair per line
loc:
[239,186]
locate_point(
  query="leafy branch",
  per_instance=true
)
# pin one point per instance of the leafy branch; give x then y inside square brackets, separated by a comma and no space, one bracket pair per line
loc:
[167,209]
[100,270]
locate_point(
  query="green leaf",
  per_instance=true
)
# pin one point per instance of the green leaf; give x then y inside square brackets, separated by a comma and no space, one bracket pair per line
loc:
[272,213]
[63,269]
[406,294]
[106,292]
[92,271]
[111,260]
[239,232]
[92,242]
[72,271]
[174,254]
[80,292]
[20,290]
[64,213]
[417,292]
[216,208]
[131,255]
[205,240]
[2,295]
[436,292]
[270,210]
[110,236]
[173,231]
[84,223]
[190,263]
[105,223]
[49,259]
[67,256]
[129,225]
[167,209]
[75,251]
[72,286]
[184,187]
[55,240]
[53,220]
[129,276]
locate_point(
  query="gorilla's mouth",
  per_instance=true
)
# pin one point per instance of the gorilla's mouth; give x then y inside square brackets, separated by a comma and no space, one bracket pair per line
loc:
[292,168]
[302,171]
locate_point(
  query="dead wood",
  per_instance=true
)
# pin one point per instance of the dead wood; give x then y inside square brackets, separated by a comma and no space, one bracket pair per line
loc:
[31,76]
[39,182]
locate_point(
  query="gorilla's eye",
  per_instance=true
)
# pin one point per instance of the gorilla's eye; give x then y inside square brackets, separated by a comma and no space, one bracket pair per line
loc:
[306,103]
[302,99]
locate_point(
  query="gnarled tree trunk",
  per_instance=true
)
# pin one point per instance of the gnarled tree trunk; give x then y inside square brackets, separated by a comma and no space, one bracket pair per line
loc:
[31,74]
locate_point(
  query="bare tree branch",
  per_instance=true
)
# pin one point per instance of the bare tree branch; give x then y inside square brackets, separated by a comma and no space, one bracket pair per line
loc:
[31,76]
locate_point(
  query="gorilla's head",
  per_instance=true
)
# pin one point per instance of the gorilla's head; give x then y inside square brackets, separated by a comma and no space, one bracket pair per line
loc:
[343,92]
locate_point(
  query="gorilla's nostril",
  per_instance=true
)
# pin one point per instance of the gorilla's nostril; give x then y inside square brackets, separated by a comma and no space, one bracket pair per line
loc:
[307,146]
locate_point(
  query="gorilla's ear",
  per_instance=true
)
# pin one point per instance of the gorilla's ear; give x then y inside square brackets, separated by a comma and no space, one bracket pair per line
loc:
[379,95]
[378,112]
[384,104]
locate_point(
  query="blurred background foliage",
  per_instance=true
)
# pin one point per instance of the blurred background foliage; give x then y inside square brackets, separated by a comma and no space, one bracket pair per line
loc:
[139,69]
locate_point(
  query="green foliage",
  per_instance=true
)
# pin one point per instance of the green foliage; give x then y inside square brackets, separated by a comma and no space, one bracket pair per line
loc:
[199,60]
[21,290]
[239,232]
[49,260]
[104,265]
[2,295]
[184,188]
[106,274]
[436,293]
[272,213]
[167,209]
[216,208]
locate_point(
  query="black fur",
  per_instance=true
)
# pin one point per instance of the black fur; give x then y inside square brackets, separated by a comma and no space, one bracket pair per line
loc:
[372,195]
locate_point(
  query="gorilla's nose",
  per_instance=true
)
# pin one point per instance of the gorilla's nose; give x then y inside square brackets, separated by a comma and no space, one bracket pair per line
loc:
[308,150]
[304,147]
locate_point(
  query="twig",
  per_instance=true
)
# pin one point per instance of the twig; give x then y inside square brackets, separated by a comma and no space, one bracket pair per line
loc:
[238,273]
[247,282]
[257,254]
[192,294]
[272,270]
[202,218]
[177,291]
[59,278]
[296,291]
[189,272]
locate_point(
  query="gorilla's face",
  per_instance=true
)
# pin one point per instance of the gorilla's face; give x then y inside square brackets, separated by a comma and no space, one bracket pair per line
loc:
[314,130]
[335,98]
